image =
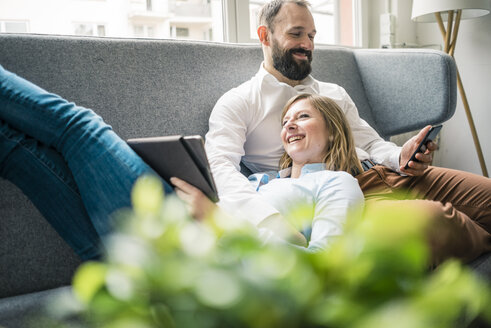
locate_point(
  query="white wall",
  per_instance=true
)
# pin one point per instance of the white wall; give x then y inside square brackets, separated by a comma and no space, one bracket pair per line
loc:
[405,29]
[473,58]
[375,9]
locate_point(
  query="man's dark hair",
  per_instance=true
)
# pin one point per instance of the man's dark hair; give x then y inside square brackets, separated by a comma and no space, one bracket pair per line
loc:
[270,10]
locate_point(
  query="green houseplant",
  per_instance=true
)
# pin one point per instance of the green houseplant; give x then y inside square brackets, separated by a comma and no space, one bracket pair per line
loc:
[164,269]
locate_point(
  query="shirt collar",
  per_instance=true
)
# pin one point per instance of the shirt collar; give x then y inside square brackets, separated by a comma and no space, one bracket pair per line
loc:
[285,173]
[307,168]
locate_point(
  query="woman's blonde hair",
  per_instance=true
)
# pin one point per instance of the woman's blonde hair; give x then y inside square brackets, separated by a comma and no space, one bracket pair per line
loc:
[340,153]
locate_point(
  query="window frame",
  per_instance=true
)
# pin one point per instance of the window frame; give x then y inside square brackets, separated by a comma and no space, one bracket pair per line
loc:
[236,25]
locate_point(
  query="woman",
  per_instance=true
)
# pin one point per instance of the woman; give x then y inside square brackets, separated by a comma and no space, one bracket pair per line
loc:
[82,170]
[319,153]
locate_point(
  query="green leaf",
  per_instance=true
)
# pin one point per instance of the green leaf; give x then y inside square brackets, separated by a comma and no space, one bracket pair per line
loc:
[147,195]
[218,289]
[88,280]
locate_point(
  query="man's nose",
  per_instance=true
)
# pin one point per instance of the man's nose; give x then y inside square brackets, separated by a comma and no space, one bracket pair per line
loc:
[307,43]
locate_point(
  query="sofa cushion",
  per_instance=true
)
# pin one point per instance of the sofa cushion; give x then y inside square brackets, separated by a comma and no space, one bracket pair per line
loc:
[28,310]
[33,257]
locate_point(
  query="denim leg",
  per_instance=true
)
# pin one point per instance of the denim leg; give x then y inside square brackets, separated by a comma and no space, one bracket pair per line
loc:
[43,176]
[104,167]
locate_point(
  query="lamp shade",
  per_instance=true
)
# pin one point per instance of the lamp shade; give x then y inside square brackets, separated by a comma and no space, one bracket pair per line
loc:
[424,10]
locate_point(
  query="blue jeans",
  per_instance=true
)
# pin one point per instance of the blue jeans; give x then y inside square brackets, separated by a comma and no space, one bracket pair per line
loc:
[71,164]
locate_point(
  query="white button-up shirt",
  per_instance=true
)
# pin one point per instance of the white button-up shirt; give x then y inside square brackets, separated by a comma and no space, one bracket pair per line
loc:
[322,199]
[245,126]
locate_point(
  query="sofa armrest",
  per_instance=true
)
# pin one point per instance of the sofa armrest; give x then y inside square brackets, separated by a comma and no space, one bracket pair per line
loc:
[408,89]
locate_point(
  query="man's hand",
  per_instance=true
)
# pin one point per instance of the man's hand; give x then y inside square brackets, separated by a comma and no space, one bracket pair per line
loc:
[283,229]
[416,168]
[199,205]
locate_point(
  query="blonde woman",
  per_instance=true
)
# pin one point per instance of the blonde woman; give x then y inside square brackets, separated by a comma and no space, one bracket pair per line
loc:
[315,173]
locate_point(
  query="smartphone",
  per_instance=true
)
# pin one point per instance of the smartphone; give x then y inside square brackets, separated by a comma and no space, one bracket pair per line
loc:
[430,136]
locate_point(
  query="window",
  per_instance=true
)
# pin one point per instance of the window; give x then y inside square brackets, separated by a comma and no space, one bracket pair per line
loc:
[89,29]
[13,27]
[182,32]
[337,21]
[101,30]
[150,31]
[141,31]
[138,31]
[323,12]
[334,20]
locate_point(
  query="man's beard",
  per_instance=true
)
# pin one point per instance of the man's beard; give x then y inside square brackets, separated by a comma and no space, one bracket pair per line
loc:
[284,62]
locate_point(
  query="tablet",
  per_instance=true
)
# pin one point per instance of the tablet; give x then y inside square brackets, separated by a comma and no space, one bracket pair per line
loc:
[178,156]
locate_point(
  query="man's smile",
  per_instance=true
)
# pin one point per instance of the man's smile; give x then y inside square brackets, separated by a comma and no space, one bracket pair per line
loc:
[301,54]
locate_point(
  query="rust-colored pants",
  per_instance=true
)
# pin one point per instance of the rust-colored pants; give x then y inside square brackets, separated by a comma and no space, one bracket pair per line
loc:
[460,203]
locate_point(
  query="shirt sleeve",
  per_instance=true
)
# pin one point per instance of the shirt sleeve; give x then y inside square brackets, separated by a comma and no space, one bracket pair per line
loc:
[338,196]
[367,139]
[225,148]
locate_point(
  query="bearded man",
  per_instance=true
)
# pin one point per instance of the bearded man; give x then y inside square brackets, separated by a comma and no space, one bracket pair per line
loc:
[244,134]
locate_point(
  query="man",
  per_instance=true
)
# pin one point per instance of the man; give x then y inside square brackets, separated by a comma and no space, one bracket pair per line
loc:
[244,127]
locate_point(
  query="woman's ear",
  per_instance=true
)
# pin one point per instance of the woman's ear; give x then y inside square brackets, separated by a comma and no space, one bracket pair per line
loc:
[262,33]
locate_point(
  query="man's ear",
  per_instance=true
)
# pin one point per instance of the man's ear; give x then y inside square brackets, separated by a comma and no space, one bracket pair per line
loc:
[262,33]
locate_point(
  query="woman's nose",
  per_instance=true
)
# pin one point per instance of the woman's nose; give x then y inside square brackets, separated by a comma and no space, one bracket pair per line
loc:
[290,125]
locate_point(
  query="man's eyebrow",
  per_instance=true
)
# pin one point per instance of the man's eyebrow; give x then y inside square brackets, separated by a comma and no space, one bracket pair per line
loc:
[301,28]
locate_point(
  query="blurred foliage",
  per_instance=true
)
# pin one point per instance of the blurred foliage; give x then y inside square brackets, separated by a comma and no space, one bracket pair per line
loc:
[164,269]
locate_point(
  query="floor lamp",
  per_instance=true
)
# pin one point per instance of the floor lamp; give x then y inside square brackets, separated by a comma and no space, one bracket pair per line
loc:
[452,11]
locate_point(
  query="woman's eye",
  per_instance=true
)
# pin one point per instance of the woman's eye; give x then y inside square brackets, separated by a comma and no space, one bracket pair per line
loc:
[303,115]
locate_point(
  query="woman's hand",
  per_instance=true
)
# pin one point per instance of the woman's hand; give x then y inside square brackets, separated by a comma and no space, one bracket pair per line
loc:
[199,205]
[283,229]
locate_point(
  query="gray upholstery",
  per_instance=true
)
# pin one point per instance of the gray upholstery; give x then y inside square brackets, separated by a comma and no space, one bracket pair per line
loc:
[421,95]
[27,310]
[162,87]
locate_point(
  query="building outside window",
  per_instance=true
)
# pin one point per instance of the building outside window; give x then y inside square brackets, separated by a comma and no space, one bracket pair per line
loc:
[213,20]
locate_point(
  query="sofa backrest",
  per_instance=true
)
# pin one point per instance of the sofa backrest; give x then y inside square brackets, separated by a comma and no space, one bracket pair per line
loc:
[154,87]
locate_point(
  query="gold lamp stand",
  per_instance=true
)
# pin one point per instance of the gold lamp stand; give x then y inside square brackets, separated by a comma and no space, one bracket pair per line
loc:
[450,37]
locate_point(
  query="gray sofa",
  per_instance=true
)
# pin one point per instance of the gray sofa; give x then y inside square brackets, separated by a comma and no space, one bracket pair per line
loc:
[163,87]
